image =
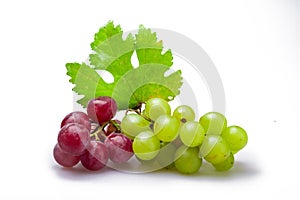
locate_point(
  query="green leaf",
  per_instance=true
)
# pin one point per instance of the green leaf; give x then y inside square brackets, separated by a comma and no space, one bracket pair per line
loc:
[131,86]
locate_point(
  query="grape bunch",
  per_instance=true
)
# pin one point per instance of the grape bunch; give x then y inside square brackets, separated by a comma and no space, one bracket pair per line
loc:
[151,132]
[92,138]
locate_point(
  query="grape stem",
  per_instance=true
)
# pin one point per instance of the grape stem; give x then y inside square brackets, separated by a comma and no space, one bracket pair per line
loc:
[98,131]
[116,125]
[138,111]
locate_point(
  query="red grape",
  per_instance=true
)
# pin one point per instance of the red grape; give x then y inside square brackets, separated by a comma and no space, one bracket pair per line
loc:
[63,158]
[101,109]
[95,157]
[120,147]
[78,118]
[73,138]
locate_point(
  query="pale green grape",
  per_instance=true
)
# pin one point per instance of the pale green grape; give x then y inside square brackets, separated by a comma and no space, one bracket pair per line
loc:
[184,113]
[133,124]
[213,123]
[187,160]
[236,137]
[146,145]
[156,107]
[191,133]
[165,157]
[226,164]
[214,149]
[166,128]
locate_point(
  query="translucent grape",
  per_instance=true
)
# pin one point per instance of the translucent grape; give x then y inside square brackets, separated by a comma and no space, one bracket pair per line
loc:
[214,149]
[77,117]
[119,147]
[187,160]
[236,137]
[166,128]
[184,113]
[191,133]
[146,145]
[101,109]
[95,157]
[63,158]
[156,107]
[213,123]
[73,138]
[133,124]
[226,164]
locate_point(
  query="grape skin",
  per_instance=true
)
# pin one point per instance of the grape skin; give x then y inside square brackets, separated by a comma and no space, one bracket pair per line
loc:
[146,145]
[166,128]
[73,138]
[77,117]
[95,157]
[191,134]
[184,113]
[64,159]
[226,164]
[133,124]
[156,107]
[187,160]
[214,149]
[101,109]
[119,147]
[213,123]
[236,137]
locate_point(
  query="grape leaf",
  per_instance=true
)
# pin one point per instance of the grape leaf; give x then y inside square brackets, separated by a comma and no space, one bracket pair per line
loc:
[131,86]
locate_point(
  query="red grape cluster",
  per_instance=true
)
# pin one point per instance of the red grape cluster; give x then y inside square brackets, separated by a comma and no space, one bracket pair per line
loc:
[92,138]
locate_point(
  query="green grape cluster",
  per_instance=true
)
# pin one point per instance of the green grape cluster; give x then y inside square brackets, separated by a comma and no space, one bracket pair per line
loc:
[177,139]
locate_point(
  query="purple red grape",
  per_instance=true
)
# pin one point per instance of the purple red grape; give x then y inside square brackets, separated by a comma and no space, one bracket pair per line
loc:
[73,138]
[77,117]
[95,157]
[101,109]
[63,158]
[120,147]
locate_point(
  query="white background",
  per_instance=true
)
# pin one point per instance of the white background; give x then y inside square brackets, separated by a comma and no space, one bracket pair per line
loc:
[254,44]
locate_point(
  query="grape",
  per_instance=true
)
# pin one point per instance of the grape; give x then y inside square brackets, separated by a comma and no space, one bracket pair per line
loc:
[146,145]
[213,123]
[214,149]
[111,127]
[191,133]
[187,160]
[184,113]
[156,107]
[166,128]
[133,124]
[77,117]
[101,109]
[119,147]
[63,158]
[225,165]
[73,138]
[95,157]
[236,137]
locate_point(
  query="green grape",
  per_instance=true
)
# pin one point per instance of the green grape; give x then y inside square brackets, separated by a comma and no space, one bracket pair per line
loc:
[133,124]
[184,113]
[165,157]
[146,145]
[214,149]
[187,160]
[214,123]
[226,164]
[166,128]
[156,107]
[191,134]
[236,137]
